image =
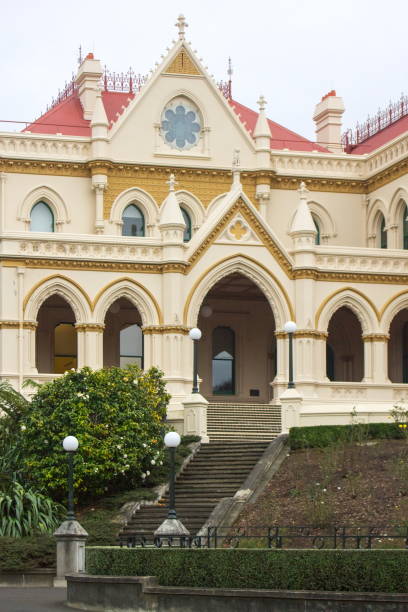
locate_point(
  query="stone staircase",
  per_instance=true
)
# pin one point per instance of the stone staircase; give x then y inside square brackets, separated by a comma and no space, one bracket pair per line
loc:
[217,470]
[256,422]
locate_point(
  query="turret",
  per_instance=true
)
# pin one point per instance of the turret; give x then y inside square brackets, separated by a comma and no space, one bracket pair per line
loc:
[262,136]
[303,230]
[172,224]
[99,129]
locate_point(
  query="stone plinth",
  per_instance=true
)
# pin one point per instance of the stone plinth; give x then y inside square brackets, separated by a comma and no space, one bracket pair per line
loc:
[195,416]
[291,402]
[71,538]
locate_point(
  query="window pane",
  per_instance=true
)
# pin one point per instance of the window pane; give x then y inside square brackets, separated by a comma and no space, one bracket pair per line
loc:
[131,345]
[42,219]
[65,348]
[187,221]
[383,234]
[317,239]
[223,362]
[405,228]
[133,221]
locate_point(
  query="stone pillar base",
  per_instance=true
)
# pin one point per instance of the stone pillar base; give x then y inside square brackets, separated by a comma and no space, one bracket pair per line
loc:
[291,402]
[195,416]
[71,538]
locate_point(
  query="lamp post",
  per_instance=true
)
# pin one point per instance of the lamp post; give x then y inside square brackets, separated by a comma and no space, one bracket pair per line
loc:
[171,441]
[172,527]
[70,444]
[195,335]
[290,327]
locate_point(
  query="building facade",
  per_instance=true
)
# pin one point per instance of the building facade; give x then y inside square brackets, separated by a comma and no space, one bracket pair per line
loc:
[136,209]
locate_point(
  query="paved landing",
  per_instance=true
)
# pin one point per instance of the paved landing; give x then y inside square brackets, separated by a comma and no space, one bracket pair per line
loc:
[39,599]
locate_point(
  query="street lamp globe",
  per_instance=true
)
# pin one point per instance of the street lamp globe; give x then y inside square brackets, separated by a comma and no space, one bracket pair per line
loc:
[172,439]
[290,327]
[70,444]
[195,333]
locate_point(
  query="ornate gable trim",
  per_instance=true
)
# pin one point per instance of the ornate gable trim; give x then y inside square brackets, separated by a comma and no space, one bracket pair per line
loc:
[241,207]
[182,64]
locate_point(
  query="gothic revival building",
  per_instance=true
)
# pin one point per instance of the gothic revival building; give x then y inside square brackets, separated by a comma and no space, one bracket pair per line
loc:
[123,224]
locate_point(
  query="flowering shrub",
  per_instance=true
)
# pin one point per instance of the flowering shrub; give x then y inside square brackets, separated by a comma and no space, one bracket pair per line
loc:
[116,414]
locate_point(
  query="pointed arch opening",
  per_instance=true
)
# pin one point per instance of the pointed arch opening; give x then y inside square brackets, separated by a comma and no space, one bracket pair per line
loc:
[345,347]
[382,233]
[133,222]
[187,220]
[398,348]
[238,346]
[56,337]
[123,336]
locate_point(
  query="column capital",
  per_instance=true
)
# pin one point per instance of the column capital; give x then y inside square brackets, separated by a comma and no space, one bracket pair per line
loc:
[90,327]
[376,337]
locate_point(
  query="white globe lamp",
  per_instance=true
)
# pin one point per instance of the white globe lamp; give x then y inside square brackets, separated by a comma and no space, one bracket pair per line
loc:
[70,444]
[172,439]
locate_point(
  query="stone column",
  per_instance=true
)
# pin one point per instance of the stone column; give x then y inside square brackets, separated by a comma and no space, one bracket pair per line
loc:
[376,358]
[30,328]
[90,345]
[99,184]
[320,356]
[3,178]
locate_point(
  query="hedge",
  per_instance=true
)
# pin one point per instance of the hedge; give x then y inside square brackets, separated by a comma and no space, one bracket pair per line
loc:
[24,554]
[326,570]
[327,435]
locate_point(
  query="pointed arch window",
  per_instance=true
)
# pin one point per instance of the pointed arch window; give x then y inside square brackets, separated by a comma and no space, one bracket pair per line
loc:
[65,347]
[317,226]
[187,220]
[405,228]
[41,218]
[383,234]
[131,345]
[133,221]
[223,361]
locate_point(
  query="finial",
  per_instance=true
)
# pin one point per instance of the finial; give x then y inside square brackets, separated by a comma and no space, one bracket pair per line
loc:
[181,24]
[229,71]
[171,182]
[303,191]
[236,159]
[262,103]
[80,55]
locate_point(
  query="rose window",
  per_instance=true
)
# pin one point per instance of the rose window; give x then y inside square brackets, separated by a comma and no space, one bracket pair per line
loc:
[181,124]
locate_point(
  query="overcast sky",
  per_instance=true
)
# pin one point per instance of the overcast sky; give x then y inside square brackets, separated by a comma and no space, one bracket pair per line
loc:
[291,51]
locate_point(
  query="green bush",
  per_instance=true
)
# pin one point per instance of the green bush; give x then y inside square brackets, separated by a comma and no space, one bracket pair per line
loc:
[24,512]
[116,414]
[24,554]
[326,570]
[327,435]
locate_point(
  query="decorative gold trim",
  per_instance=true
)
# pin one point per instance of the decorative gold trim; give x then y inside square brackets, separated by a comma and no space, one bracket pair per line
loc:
[221,261]
[52,276]
[352,277]
[376,338]
[241,207]
[182,64]
[95,266]
[90,327]
[165,329]
[16,325]
[41,167]
[314,334]
[341,290]
[133,282]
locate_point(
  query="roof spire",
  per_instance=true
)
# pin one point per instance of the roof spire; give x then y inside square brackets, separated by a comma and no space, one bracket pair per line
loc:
[262,129]
[261,103]
[302,222]
[181,24]
[236,170]
[170,212]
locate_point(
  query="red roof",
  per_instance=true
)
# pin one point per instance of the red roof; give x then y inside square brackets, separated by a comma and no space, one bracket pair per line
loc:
[282,138]
[381,138]
[67,116]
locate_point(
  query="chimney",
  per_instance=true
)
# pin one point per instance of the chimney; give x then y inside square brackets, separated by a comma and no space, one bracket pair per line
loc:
[327,117]
[87,80]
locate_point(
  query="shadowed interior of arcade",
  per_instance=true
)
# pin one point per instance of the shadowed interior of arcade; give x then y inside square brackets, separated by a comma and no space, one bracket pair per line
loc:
[237,359]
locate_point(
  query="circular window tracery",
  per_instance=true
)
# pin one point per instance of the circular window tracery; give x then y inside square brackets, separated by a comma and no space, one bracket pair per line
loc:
[181,124]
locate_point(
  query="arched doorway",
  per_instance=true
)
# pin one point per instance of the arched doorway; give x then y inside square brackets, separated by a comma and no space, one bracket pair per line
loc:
[398,348]
[123,337]
[56,337]
[238,347]
[345,348]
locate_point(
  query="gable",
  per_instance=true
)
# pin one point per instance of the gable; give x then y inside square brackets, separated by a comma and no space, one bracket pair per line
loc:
[183,63]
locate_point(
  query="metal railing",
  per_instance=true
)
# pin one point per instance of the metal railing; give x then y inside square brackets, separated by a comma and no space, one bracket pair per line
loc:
[336,537]
[373,125]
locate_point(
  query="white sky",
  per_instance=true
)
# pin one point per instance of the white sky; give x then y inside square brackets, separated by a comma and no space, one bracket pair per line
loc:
[291,51]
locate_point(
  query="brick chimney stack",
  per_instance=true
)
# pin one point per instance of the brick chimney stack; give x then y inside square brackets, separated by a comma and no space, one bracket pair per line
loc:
[327,117]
